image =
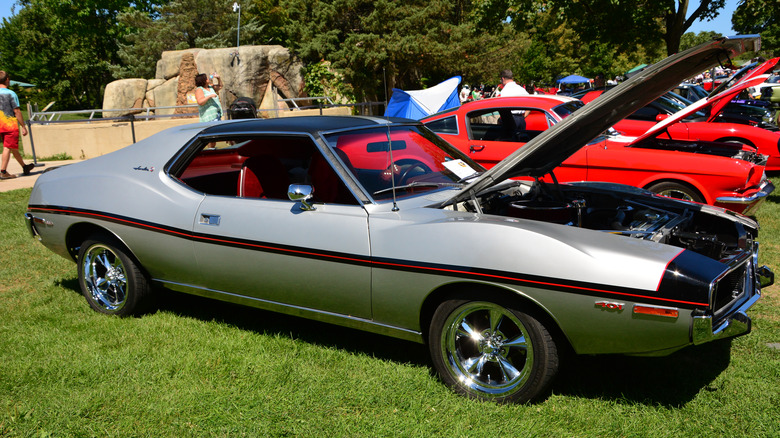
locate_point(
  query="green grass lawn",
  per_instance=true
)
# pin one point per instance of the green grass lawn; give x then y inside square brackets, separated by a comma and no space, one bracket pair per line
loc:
[205,368]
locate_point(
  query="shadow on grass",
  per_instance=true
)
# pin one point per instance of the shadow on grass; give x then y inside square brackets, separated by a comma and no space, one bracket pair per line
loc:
[277,324]
[71,284]
[668,381]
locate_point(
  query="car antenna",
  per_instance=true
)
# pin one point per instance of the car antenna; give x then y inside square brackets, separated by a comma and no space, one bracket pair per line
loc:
[392,165]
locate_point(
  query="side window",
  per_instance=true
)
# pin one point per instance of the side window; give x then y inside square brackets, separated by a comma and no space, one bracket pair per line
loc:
[448,125]
[646,113]
[485,125]
[508,124]
[262,167]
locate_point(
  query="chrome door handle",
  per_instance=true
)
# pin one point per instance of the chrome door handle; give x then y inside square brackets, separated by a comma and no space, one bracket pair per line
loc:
[476,148]
[209,219]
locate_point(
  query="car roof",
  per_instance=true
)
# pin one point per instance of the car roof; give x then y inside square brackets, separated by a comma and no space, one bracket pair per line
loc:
[303,124]
[544,101]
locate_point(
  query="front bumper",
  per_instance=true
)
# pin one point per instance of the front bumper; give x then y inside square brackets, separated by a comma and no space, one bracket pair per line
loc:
[705,329]
[30,220]
[747,205]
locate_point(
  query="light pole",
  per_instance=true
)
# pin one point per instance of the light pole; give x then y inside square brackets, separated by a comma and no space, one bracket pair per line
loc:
[237,8]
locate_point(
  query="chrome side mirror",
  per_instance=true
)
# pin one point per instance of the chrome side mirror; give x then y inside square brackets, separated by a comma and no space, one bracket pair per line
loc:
[302,193]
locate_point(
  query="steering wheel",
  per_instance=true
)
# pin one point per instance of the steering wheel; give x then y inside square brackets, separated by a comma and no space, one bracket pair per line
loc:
[413,164]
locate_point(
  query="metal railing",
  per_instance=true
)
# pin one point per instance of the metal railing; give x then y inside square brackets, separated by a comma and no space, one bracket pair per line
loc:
[150,113]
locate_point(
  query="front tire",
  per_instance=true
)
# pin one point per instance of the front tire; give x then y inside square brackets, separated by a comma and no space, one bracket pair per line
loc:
[109,279]
[488,350]
[676,190]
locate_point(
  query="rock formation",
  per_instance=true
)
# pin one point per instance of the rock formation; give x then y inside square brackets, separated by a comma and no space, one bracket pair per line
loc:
[264,73]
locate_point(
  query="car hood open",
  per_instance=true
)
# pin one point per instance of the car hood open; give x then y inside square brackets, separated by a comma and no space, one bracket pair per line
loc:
[746,72]
[717,102]
[548,150]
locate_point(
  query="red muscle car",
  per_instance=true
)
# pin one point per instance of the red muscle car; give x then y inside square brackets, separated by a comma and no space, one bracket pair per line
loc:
[704,124]
[729,175]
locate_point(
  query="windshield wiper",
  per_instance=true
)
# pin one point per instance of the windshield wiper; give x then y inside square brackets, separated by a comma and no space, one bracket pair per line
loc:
[472,176]
[417,184]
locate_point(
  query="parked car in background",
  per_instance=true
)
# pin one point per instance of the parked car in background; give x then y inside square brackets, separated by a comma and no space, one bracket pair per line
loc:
[702,125]
[768,91]
[380,225]
[723,174]
[742,109]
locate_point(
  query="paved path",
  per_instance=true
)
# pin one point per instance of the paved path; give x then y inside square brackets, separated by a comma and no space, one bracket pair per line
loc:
[22,181]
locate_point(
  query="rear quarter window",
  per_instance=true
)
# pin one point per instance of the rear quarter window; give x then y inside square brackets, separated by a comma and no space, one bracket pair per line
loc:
[448,125]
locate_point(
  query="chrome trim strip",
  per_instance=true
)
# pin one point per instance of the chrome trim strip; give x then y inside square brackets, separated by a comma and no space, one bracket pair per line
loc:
[303,312]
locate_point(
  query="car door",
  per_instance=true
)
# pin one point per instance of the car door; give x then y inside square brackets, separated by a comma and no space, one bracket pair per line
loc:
[272,250]
[265,247]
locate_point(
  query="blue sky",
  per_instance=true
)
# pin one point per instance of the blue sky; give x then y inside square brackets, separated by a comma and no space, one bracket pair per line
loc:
[721,24]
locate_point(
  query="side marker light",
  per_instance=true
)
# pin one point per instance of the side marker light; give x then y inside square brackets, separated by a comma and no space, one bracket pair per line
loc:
[668,312]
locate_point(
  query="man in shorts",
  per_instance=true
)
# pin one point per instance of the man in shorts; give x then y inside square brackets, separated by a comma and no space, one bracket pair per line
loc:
[10,121]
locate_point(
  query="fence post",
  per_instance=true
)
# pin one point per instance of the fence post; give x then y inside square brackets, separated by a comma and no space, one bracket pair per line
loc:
[32,143]
[132,125]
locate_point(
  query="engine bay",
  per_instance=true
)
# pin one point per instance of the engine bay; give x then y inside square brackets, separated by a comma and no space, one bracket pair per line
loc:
[631,213]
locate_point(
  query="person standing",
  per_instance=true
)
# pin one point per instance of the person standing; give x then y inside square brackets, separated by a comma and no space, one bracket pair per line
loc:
[10,122]
[510,88]
[209,108]
[465,92]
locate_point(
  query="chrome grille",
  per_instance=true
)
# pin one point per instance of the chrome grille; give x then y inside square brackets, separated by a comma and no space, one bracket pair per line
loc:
[732,289]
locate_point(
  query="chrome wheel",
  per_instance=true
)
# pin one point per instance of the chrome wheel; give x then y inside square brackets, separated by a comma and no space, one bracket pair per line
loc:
[677,194]
[110,280]
[487,349]
[104,278]
[677,190]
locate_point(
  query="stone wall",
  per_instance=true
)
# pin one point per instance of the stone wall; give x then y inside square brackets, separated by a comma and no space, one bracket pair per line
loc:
[247,71]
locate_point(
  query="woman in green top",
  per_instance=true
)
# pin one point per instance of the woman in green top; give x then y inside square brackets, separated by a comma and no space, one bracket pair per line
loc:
[209,107]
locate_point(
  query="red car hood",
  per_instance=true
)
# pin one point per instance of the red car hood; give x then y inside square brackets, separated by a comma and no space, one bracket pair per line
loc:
[718,102]
[549,149]
[745,73]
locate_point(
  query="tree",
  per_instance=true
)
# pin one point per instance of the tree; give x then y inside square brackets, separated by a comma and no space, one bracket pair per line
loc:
[559,47]
[759,17]
[178,25]
[620,23]
[64,47]
[411,44]
[690,39]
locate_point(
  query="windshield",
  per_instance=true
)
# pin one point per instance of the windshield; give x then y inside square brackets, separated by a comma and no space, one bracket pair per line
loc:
[568,108]
[422,160]
[675,103]
[696,92]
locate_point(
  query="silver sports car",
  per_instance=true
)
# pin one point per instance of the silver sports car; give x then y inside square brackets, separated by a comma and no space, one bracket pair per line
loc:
[382,226]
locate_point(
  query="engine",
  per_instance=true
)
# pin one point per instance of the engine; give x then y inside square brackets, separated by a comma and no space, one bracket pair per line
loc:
[632,213]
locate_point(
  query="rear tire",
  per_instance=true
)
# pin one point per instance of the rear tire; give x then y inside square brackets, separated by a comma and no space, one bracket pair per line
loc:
[491,351]
[110,280]
[677,191]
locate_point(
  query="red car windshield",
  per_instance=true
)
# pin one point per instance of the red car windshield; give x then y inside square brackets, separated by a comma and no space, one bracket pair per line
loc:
[568,108]
[418,159]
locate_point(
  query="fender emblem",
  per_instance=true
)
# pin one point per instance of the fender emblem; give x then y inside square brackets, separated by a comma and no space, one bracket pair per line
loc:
[609,305]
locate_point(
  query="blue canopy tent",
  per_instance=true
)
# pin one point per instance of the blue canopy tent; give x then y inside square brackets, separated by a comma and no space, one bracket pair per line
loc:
[574,79]
[416,104]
